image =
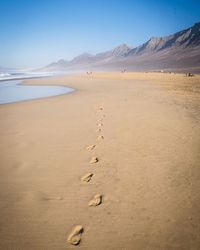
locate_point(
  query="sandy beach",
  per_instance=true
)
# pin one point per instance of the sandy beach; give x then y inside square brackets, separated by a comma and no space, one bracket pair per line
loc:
[143,134]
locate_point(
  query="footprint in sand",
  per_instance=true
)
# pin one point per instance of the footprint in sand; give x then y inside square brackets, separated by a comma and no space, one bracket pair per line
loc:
[99,130]
[100,124]
[100,109]
[100,137]
[91,147]
[87,177]
[75,236]
[96,201]
[94,160]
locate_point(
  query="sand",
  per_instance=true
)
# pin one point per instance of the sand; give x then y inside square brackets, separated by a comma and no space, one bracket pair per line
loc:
[148,169]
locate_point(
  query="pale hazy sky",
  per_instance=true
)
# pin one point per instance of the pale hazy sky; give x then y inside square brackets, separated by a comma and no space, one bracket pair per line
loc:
[35,33]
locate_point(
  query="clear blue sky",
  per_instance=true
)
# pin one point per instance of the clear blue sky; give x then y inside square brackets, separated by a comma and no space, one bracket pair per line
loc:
[37,32]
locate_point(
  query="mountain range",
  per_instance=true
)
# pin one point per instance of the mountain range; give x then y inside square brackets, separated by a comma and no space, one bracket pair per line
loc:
[177,52]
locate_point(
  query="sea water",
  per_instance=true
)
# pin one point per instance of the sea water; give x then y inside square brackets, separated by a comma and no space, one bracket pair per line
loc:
[12,91]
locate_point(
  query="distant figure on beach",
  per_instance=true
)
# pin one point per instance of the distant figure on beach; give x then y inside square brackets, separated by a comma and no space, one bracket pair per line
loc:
[189,75]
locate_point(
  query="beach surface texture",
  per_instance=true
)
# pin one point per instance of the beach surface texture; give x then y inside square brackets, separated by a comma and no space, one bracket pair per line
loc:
[115,165]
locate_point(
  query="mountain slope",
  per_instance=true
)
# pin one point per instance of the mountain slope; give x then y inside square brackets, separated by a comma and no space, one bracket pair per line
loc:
[86,59]
[186,38]
[180,51]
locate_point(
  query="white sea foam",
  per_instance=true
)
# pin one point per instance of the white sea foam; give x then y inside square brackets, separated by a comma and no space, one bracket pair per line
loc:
[4,76]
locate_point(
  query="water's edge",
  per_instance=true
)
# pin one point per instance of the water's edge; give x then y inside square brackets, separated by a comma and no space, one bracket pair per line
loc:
[13,91]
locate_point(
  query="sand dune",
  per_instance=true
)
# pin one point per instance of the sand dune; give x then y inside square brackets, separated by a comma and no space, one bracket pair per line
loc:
[144,195]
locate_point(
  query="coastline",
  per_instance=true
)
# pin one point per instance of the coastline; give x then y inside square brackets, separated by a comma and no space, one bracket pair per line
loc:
[31,94]
[147,171]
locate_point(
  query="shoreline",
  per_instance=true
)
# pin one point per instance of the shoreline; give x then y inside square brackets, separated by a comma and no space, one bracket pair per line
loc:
[22,82]
[147,169]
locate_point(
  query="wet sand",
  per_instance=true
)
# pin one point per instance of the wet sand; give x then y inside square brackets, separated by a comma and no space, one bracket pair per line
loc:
[119,157]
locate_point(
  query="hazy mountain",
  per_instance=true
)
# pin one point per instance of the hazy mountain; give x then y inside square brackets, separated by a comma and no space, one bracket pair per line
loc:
[82,59]
[86,59]
[184,39]
[59,65]
[180,51]
[118,52]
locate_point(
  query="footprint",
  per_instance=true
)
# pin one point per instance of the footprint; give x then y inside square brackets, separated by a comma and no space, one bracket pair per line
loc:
[96,201]
[99,130]
[100,109]
[75,237]
[87,177]
[91,147]
[100,124]
[100,137]
[94,160]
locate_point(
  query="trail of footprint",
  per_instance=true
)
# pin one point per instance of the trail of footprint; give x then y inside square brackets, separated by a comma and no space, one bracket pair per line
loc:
[75,236]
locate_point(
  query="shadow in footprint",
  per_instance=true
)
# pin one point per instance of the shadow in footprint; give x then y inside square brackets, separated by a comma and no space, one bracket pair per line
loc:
[100,137]
[90,147]
[87,177]
[96,201]
[94,160]
[75,236]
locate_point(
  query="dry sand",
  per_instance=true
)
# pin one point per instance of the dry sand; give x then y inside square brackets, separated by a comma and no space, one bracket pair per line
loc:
[148,169]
